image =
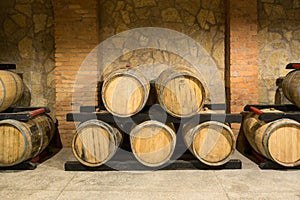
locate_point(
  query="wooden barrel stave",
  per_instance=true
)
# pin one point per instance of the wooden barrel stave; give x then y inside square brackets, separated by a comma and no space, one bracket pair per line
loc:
[180,91]
[21,141]
[19,87]
[125,92]
[278,140]
[211,142]
[95,142]
[153,143]
[46,126]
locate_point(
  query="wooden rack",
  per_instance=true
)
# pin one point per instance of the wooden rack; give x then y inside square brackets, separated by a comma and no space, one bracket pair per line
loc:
[288,111]
[24,114]
[7,66]
[90,112]
[293,66]
[186,161]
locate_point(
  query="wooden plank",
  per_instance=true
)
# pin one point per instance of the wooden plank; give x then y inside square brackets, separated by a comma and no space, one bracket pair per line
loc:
[20,113]
[27,165]
[284,108]
[7,66]
[293,66]
[165,118]
[134,165]
[218,106]
[268,117]
[272,165]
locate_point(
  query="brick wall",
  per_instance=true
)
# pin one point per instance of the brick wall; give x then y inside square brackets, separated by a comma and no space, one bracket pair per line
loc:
[75,37]
[241,73]
[242,54]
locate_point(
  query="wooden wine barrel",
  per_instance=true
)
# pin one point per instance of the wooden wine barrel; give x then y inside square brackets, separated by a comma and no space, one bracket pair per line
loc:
[20,141]
[211,142]
[180,92]
[277,140]
[95,142]
[152,143]
[11,89]
[125,92]
[291,87]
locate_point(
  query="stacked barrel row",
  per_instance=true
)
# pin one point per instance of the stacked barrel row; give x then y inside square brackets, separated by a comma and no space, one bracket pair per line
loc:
[181,93]
[278,140]
[20,141]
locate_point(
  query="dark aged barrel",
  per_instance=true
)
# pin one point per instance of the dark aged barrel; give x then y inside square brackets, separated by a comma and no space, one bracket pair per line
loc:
[180,92]
[291,87]
[20,141]
[11,89]
[211,142]
[152,143]
[125,92]
[95,142]
[278,140]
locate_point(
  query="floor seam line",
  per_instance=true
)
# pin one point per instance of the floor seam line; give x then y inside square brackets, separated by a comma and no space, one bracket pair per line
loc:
[65,187]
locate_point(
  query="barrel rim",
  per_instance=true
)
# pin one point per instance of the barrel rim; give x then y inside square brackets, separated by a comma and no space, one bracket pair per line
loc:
[103,125]
[149,123]
[18,125]
[40,133]
[4,92]
[176,75]
[18,93]
[268,134]
[195,131]
[140,79]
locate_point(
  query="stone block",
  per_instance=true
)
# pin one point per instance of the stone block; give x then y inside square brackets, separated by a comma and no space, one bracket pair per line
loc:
[24,1]
[170,15]
[19,19]
[191,6]
[26,49]
[40,21]
[144,3]
[9,27]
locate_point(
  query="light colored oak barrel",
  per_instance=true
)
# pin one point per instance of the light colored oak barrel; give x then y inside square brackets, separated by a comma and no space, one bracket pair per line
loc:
[152,143]
[278,140]
[291,87]
[11,89]
[95,143]
[125,92]
[211,142]
[180,92]
[20,141]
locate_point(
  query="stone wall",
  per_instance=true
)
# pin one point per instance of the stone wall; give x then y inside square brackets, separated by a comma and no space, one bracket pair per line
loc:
[279,42]
[200,21]
[26,39]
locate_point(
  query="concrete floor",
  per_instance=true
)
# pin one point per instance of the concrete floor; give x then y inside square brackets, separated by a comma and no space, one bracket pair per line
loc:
[50,181]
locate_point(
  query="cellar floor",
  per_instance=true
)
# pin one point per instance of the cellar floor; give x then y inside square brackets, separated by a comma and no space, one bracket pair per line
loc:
[50,181]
